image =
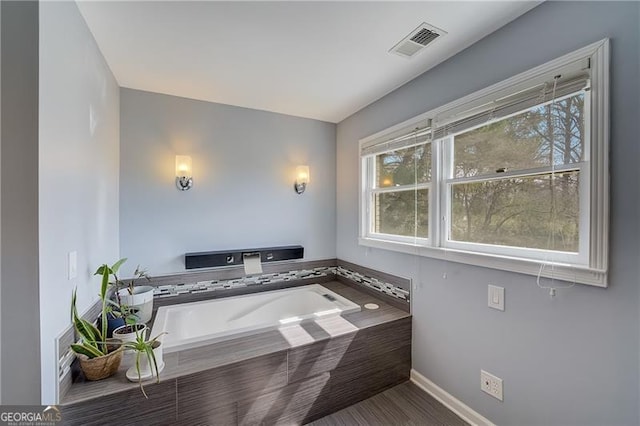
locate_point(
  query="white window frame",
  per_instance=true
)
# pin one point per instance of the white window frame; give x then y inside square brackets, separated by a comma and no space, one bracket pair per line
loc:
[447,181]
[368,165]
[590,266]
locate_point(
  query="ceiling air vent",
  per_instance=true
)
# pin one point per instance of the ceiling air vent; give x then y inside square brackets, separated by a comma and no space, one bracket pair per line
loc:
[416,40]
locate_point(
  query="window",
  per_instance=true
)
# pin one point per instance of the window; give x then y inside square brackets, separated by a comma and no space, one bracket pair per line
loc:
[399,189]
[514,185]
[511,177]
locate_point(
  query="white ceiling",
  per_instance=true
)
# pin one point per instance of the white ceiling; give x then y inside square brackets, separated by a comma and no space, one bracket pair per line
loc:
[321,60]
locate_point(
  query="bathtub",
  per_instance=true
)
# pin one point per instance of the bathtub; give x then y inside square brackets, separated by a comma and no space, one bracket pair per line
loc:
[195,324]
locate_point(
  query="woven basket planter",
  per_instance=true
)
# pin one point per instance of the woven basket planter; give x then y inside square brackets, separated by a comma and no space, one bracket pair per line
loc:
[101,367]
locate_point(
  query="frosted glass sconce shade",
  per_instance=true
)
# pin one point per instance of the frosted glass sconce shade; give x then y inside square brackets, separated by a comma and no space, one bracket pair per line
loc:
[302,179]
[184,173]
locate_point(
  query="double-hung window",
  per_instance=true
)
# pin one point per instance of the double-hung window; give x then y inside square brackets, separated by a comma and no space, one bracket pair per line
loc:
[514,183]
[398,177]
[512,177]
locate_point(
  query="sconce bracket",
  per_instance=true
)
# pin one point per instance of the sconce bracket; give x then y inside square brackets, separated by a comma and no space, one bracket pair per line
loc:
[183,183]
[299,187]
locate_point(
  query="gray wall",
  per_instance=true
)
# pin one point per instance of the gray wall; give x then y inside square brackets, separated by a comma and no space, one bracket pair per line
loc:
[0,204]
[79,157]
[19,189]
[243,165]
[570,360]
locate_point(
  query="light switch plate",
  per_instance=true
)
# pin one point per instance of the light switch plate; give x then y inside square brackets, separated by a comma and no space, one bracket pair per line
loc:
[496,297]
[72,264]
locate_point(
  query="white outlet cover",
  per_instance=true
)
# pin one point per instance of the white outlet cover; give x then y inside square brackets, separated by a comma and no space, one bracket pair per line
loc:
[491,384]
[495,297]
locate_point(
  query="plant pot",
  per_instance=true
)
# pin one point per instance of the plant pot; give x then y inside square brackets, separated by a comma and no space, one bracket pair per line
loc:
[141,301]
[146,371]
[129,333]
[101,367]
[113,322]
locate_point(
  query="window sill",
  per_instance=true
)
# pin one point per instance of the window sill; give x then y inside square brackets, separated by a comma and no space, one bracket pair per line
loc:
[563,272]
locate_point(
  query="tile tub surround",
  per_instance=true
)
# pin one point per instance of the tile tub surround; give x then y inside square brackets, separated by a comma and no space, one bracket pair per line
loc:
[227,282]
[387,284]
[293,375]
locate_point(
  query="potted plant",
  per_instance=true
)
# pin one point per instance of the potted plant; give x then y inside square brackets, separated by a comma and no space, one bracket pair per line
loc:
[127,322]
[148,362]
[138,299]
[130,329]
[99,356]
[131,324]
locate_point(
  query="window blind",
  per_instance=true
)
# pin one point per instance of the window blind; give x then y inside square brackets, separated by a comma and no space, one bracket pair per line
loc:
[444,124]
[406,139]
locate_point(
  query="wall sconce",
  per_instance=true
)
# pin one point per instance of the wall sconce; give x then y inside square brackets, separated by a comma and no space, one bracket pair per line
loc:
[184,175]
[302,179]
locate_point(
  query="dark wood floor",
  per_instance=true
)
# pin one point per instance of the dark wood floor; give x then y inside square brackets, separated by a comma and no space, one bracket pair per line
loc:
[405,404]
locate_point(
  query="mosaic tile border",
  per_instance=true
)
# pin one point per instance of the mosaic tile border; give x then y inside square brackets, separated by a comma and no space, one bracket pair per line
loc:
[172,290]
[374,283]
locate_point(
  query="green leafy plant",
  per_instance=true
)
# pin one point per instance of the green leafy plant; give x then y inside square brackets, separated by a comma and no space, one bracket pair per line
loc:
[117,308]
[138,273]
[93,341]
[107,307]
[145,347]
[120,310]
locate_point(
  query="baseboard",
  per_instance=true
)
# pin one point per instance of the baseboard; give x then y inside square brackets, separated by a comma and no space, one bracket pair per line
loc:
[465,412]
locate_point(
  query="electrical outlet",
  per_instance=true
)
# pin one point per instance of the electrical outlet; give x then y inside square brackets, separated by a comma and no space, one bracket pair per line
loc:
[491,384]
[496,297]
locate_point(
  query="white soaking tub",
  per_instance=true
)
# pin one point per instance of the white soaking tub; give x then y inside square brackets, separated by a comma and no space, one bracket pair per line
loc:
[195,324]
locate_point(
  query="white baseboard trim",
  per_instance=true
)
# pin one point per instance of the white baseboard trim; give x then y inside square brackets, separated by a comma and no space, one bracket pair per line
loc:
[465,412]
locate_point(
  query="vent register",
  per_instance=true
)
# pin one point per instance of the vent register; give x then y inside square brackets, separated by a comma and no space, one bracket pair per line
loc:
[417,40]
